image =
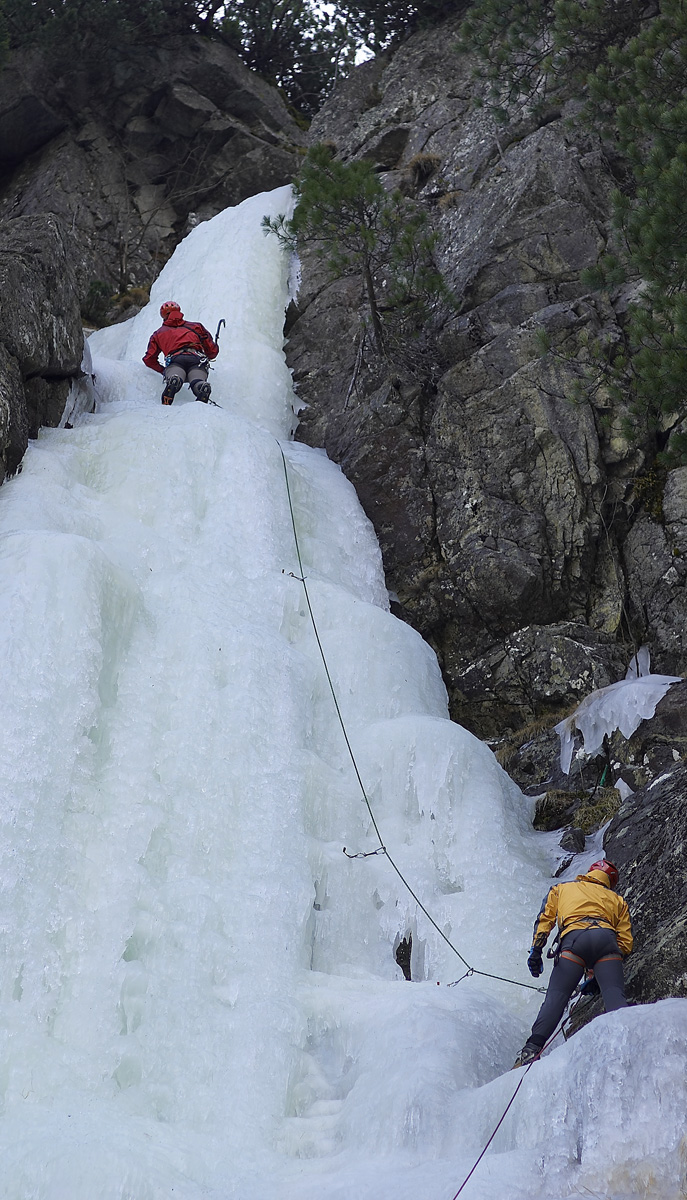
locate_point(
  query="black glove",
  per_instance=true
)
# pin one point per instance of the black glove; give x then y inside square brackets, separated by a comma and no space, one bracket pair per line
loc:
[534,962]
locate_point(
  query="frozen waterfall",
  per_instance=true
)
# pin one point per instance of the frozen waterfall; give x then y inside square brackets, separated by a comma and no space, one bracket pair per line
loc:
[199,996]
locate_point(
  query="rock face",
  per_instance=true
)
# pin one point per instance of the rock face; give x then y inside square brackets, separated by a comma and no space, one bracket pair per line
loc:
[655,561]
[503,505]
[41,338]
[104,165]
[647,841]
[550,667]
[125,149]
[588,797]
[646,837]
[533,757]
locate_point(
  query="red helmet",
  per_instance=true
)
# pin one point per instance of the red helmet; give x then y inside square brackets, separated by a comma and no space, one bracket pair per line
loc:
[168,307]
[608,868]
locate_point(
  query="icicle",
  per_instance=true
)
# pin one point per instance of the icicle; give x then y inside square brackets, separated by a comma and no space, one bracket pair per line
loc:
[622,706]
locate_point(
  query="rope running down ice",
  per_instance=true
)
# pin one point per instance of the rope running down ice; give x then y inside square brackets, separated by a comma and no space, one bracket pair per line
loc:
[381,848]
[506,1110]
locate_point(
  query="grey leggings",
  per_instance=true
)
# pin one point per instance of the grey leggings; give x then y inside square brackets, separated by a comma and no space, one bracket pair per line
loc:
[593,946]
[185,367]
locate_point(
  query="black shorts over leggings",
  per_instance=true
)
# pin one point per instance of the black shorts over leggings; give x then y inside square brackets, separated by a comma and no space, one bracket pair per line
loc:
[596,947]
[187,367]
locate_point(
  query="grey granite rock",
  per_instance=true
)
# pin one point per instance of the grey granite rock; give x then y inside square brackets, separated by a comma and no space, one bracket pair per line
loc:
[539,667]
[102,167]
[657,745]
[499,502]
[124,154]
[573,839]
[41,338]
[648,842]
[655,561]
[28,119]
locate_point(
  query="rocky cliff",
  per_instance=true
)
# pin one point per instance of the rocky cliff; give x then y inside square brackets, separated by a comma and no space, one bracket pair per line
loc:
[646,840]
[512,523]
[128,149]
[41,336]
[523,534]
[104,165]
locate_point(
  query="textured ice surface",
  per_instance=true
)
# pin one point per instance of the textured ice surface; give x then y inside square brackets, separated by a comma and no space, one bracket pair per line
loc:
[198,991]
[640,664]
[622,706]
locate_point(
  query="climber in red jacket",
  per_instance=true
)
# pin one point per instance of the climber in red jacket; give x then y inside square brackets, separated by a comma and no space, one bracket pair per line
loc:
[186,346]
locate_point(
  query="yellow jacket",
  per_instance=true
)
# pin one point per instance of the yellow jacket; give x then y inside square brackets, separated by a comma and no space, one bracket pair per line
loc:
[590,900]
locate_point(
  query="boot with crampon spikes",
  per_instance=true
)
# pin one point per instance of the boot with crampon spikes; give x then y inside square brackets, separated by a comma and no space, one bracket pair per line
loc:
[172,386]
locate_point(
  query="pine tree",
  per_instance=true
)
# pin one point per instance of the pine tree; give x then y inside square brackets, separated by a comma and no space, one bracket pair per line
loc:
[357,228]
[378,24]
[69,26]
[300,46]
[641,92]
[630,63]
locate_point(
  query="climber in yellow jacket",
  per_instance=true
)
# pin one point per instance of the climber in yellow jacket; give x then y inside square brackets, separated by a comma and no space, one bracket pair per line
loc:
[595,935]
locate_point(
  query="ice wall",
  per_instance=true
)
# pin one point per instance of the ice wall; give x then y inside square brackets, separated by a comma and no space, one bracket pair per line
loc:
[198,990]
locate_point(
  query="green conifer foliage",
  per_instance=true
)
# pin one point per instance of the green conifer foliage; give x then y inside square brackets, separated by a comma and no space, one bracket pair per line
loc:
[358,228]
[78,26]
[301,46]
[378,24]
[629,62]
[641,92]
[536,51]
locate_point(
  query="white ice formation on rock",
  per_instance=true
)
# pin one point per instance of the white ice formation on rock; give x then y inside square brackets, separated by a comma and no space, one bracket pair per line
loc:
[198,993]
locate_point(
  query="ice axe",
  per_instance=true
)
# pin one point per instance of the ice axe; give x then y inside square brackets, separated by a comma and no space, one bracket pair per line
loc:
[220,323]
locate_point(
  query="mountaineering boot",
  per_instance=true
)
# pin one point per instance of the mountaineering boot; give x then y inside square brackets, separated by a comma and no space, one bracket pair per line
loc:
[172,386]
[527,1055]
[203,392]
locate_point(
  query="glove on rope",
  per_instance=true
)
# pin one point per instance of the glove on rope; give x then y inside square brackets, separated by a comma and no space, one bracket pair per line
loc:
[534,962]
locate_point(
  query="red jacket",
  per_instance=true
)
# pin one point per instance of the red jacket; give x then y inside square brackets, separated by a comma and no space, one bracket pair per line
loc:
[175,335]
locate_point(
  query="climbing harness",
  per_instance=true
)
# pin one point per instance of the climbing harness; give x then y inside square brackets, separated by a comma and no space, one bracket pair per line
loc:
[381,849]
[554,950]
[202,360]
[573,958]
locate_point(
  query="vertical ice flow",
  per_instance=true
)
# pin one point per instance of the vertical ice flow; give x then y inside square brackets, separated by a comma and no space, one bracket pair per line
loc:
[198,990]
